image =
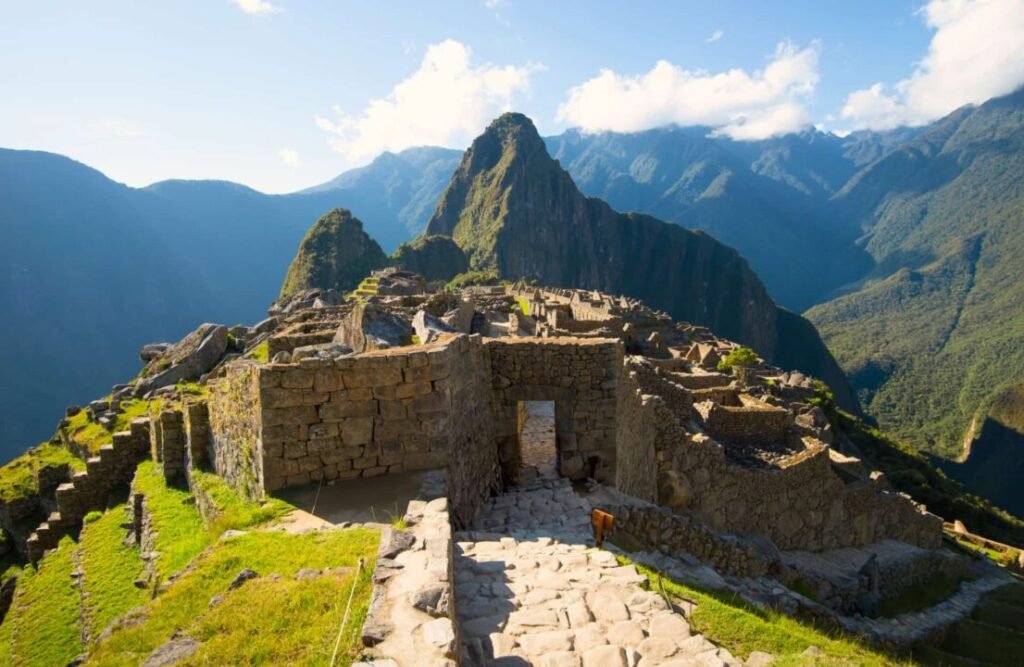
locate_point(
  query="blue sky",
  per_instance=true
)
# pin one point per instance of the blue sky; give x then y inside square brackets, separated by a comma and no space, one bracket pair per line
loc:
[285,94]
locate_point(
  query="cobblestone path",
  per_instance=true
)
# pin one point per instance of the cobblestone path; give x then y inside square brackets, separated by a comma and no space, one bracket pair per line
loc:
[532,590]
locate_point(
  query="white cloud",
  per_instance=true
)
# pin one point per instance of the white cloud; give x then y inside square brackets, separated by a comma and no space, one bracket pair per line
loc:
[738,104]
[289,157]
[977,52]
[715,36]
[446,102]
[257,6]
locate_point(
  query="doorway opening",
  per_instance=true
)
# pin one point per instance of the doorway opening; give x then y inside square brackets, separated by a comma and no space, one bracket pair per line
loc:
[538,451]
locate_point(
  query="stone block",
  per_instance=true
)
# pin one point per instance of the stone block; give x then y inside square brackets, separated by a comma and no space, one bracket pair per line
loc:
[423,461]
[392,410]
[336,411]
[356,430]
[372,377]
[302,414]
[298,378]
[328,380]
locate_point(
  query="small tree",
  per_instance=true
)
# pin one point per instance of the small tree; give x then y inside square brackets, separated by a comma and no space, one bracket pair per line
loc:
[742,356]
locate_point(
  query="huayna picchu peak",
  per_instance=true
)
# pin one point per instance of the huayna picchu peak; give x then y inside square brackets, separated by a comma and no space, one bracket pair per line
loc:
[515,212]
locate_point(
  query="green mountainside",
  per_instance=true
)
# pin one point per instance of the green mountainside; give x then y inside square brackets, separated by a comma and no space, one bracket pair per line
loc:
[435,256]
[335,253]
[513,210]
[935,333]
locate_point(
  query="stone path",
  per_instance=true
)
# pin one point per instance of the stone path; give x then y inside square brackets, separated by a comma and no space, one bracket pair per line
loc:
[537,441]
[532,590]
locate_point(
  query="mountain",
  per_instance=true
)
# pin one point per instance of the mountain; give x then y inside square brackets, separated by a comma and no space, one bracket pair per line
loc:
[93,269]
[397,191]
[764,198]
[513,210]
[335,253]
[934,333]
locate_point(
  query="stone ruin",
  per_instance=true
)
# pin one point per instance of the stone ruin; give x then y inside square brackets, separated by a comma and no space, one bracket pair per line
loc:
[735,468]
[640,405]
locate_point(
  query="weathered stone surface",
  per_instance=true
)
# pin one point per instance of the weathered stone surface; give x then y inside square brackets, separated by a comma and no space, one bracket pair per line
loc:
[188,359]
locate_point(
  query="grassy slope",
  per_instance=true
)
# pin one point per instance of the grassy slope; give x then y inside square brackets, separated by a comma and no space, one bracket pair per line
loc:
[180,532]
[43,620]
[927,348]
[18,478]
[742,629]
[92,435]
[110,568]
[244,628]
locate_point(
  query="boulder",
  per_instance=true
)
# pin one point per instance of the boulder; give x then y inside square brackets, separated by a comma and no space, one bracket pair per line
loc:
[428,327]
[153,350]
[371,327]
[194,355]
[320,351]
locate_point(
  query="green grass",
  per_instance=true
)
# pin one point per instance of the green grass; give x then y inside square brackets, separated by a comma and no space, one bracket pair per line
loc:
[742,356]
[93,435]
[524,305]
[234,511]
[43,619]
[263,622]
[260,353]
[110,568]
[742,629]
[181,534]
[18,478]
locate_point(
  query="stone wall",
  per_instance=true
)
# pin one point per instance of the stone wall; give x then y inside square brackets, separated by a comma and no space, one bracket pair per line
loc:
[236,429]
[660,529]
[581,377]
[753,422]
[636,470]
[197,434]
[414,408]
[167,442]
[474,472]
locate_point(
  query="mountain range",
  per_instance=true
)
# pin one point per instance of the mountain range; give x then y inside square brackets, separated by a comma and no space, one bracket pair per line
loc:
[900,246]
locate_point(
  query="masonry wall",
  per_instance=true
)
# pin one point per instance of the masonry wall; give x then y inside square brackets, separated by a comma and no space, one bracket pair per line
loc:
[753,422]
[384,412]
[581,377]
[802,505]
[235,446]
[636,464]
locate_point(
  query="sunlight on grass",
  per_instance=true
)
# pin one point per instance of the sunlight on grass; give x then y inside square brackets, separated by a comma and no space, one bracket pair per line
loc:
[181,534]
[44,615]
[250,622]
[741,628]
[110,569]
[18,478]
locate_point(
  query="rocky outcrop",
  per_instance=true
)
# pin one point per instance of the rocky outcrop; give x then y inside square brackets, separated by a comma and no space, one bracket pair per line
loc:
[186,361]
[512,209]
[371,327]
[335,253]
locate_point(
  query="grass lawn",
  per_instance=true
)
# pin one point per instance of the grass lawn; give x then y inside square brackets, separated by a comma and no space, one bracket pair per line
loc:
[264,621]
[110,569]
[236,511]
[741,628]
[181,534]
[41,628]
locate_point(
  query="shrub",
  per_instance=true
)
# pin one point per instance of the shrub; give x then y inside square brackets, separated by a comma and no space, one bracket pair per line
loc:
[742,356]
[92,516]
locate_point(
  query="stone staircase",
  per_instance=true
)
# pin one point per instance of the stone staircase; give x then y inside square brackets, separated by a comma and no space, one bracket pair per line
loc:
[89,489]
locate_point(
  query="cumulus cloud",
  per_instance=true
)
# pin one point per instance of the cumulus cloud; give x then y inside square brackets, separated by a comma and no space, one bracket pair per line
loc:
[977,52]
[739,104]
[715,36]
[446,102]
[257,6]
[289,157]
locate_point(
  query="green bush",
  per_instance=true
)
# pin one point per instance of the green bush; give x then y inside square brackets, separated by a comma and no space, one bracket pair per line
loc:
[742,356]
[92,516]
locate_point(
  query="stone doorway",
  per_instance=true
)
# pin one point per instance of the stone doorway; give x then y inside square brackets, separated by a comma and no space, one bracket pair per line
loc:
[538,449]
